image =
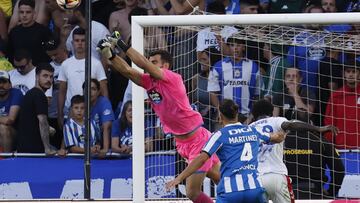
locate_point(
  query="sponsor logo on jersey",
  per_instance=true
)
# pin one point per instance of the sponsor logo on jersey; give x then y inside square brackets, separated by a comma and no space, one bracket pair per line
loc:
[22,88]
[236,83]
[155,96]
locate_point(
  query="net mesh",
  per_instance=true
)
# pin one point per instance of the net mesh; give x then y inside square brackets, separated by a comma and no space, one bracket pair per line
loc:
[322,57]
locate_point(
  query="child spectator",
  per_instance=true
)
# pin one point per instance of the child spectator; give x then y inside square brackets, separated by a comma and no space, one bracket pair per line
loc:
[121,133]
[74,128]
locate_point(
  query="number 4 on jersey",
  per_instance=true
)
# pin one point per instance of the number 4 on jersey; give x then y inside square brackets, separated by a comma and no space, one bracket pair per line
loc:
[246,154]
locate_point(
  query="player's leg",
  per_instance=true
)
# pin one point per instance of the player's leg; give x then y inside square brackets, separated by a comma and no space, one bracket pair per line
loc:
[190,149]
[214,173]
[193,188]
[278,187]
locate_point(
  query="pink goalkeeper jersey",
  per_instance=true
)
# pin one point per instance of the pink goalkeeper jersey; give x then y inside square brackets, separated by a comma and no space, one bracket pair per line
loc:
[170,102]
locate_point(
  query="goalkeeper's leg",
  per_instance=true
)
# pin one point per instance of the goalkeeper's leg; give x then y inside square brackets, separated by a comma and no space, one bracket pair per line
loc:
[278,187]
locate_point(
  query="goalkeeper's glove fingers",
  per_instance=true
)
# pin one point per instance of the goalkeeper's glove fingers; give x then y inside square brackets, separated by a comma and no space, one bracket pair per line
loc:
[115,39]
[104,47]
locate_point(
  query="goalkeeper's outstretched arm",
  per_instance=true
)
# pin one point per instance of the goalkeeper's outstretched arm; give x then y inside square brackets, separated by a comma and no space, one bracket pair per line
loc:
[135,56]
[124,69]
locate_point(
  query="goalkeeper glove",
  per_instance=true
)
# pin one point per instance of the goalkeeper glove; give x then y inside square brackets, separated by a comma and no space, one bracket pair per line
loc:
[104,47]
[116,40]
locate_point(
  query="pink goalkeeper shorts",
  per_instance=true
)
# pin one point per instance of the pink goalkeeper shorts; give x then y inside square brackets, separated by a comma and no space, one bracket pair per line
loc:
[190,148]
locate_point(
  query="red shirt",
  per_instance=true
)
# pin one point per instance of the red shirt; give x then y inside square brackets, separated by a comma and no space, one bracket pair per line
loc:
[343,111]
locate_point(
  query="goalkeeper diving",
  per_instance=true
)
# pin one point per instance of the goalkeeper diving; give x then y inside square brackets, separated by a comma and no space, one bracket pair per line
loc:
[169,101]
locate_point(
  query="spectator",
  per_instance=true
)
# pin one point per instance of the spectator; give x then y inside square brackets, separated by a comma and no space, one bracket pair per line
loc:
[343,110]
[4,62]
[117,20]
[74,129]
[98,32]
[29,34]
[10,100]
[104,8]
[296,102]
[249,6]
[33,131]
[72,75]
[41,15]
[153,36]
[58,54]
[23,77]
[121,133]
[273,78]
[102,114]
[330,6]
[309,50]
[236,78]
[307,155]
[199,83]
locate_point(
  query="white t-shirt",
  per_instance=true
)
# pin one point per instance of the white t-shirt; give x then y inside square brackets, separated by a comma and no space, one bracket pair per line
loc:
[270,156]
[206,38]
[99,31]
[73,72]
[25,82]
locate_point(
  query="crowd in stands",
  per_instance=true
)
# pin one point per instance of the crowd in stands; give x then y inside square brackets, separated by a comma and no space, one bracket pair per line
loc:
[40,42]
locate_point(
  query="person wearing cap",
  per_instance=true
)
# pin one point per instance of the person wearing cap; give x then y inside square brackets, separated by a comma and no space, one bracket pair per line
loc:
[10,100]
[235,77]
[343,109]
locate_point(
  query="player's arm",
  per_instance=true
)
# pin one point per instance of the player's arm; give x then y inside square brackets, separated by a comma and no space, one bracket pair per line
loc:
[297,125]
[136,57]
[189,170]
[119,64]
[277,137]
[124,69]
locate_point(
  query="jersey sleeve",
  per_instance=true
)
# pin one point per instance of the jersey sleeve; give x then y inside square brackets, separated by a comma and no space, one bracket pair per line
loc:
[213,144]
[146,81]
[107,113]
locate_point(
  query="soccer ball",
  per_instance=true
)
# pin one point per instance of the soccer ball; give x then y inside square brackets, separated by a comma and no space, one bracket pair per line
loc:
[68,4]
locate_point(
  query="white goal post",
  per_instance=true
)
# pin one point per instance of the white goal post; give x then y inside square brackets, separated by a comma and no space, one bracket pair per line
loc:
[139,22]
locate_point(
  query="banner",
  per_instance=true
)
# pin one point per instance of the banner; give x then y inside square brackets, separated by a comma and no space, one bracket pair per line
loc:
[38,178]
[54,178]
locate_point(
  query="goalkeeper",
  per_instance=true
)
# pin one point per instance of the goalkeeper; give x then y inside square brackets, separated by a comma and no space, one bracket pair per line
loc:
[169,100]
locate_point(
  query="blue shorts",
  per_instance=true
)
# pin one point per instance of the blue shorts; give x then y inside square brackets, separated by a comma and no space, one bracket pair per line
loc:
[247,196]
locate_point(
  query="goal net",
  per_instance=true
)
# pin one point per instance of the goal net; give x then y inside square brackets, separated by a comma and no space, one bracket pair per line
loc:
[294,61]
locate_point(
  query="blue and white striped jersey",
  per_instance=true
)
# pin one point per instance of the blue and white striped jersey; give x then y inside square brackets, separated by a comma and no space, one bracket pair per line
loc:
[74,134]
[237,147]
[239,82]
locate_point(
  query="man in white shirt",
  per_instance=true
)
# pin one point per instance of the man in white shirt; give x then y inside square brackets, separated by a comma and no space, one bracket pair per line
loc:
[72,75]
[23,76]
